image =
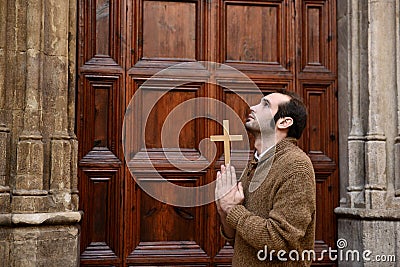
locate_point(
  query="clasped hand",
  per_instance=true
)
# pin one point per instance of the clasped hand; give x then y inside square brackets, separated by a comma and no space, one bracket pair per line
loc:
[228,192]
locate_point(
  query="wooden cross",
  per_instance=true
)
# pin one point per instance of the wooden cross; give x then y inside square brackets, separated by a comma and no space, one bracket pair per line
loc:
[227,140]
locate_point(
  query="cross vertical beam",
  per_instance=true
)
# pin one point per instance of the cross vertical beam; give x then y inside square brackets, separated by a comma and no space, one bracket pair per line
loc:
[226,138]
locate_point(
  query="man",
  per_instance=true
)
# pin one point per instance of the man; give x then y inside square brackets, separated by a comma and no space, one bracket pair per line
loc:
[269,216]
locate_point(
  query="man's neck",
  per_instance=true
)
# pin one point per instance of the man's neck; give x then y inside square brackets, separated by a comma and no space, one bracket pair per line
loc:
[263,144]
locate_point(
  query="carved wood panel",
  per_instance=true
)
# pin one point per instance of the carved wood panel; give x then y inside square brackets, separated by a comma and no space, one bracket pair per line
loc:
[320,137]
[173,33]
[98,126]
[277,43]
[100,169]
[317,30]
[263,46]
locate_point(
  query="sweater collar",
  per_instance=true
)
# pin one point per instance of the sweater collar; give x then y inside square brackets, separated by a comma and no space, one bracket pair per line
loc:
[265,163]
[278,147]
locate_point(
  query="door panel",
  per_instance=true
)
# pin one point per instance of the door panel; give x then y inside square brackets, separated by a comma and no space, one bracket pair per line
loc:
[277,43]
[100,168]
[163,32]
[254,44]
[319,142]
[256,35]
[100,108]
[169,30]
[317,29]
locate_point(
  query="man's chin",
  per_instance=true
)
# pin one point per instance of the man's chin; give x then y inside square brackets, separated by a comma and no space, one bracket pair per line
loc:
[250,128]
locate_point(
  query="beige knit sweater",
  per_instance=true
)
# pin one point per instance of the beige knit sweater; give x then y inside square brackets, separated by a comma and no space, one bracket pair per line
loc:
[280,213]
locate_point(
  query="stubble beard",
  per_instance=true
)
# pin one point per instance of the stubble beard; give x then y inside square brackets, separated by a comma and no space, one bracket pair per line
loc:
[255,129]
[251,128]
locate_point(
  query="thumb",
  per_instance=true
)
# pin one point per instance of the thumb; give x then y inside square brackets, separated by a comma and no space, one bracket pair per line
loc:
[240,188]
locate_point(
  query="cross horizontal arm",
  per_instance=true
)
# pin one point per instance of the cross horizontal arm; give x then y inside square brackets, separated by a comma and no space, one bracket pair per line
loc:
[235,138]
[216,138]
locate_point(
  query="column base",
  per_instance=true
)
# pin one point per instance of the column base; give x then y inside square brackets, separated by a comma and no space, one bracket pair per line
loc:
[40,246]
[364,231]
[40,239]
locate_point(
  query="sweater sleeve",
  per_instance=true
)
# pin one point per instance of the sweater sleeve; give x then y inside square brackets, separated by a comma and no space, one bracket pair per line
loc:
[292,212]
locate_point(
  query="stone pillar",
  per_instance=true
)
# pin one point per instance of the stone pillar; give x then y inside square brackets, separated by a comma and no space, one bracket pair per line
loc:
[397,139]
[357,76]
[29,188]
[4,180]
[56,109]
[381,78]
[38,149]
[4,131]
[71,103]
[369,218]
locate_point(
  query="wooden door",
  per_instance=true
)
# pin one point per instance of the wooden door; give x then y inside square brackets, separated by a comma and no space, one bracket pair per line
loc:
[122,43]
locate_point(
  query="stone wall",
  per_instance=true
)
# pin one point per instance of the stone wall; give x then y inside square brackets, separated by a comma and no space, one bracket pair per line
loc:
[38,147]
[369,80]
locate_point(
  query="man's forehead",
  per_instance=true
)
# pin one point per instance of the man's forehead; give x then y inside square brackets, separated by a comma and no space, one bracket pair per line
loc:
[276,98]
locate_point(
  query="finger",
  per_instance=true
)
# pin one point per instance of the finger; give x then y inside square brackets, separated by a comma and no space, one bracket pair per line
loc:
[222,168]
[221,187]
[223,175]
[218,185]
[219,175]
[240,188]
[233,180]
[228,175]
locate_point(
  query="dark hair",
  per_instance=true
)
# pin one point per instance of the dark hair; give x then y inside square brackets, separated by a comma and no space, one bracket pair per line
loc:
[294,108]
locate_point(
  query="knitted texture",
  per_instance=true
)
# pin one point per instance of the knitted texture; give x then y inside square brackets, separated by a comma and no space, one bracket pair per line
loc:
[280,213]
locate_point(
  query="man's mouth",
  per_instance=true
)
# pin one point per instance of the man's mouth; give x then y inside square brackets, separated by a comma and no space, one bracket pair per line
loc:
[249,117]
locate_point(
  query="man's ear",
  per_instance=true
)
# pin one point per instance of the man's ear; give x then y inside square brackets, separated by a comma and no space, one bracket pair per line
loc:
[284,123]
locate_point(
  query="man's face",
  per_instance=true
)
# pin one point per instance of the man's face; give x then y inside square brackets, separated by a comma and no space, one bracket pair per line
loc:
[260,119]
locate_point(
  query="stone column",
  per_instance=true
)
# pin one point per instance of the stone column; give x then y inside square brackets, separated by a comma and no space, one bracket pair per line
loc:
[36,103]
[4,170]
[397,139]
[56,93]
[357,76]
[370,220]
[381,85]
[29,192]
[71,103]
[4,131]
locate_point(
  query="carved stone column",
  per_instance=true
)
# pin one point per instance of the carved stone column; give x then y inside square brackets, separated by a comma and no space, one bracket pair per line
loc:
[4,170]
[38,150]
[56,100]
[4,131]
[370,218]
[71,103]
[381,85]
[397,139]
[29,192]
[357,75]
